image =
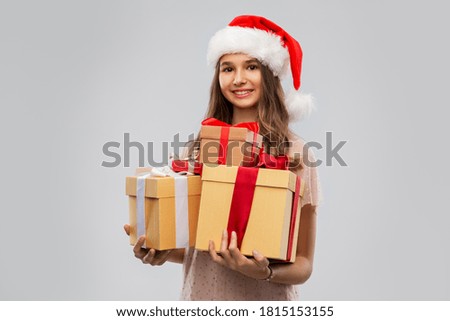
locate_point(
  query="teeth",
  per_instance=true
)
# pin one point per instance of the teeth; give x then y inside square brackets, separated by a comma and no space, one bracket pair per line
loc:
[242,92]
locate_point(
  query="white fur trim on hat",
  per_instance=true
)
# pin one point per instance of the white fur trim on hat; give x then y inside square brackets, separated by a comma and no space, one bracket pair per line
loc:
[262,45]
[299,105]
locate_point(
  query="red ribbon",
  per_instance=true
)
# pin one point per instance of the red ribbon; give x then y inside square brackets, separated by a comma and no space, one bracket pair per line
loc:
[241,203]
[183,166]
[253,126]
[293,217]
[272,162]
[223,145]
[225,133]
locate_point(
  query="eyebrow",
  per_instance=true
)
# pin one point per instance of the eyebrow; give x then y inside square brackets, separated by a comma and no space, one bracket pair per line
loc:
[228,63]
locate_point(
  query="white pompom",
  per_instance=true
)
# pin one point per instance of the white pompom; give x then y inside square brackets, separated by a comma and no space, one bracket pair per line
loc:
[299,105]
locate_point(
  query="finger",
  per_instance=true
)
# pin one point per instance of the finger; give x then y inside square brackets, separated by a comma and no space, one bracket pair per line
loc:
[260,259]
[127,228]
[161,257]
[233,240]
[139,252]
[148,258]
[140,242]
[224,249]
[224,243]
[212,252]
[233,248]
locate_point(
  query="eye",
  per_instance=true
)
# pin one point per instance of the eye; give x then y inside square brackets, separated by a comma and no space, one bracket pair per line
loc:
[252,67]
[227,69]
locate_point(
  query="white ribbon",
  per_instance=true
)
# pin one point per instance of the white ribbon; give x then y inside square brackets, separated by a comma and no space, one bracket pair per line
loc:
[181,203]
[140,206]
[181,212]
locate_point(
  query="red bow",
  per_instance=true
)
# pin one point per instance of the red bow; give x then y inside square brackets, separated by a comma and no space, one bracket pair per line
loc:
[253,126]
[179,165]
[273,162]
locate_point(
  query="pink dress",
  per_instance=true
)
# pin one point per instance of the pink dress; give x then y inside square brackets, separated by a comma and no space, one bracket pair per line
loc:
[207,280]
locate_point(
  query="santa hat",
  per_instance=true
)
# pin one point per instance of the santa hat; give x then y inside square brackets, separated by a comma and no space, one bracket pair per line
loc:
[262,39]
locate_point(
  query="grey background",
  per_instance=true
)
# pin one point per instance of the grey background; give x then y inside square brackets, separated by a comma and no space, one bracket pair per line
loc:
[77,74]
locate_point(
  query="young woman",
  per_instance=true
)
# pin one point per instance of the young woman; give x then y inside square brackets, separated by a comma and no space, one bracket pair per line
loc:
[250,55]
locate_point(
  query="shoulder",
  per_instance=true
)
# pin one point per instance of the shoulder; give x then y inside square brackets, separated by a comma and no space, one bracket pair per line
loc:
[305,166]
[296,144]
[299,152]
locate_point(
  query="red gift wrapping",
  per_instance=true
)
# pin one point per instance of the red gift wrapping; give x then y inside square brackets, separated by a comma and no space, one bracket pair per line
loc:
[179,165]
[272,162]
[241,203]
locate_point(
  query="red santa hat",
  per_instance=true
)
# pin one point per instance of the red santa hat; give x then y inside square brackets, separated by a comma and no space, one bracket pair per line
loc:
[262,39]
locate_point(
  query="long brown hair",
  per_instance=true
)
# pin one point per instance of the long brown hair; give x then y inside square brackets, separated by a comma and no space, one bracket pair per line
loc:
[273,117]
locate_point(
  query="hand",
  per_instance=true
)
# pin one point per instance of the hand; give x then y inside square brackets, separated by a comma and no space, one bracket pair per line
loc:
[147,256]
[231,257]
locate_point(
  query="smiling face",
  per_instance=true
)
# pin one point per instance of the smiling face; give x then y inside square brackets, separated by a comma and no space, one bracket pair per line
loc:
[240,80]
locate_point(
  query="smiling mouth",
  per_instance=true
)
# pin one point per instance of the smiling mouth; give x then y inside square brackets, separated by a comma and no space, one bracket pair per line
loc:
[242,93]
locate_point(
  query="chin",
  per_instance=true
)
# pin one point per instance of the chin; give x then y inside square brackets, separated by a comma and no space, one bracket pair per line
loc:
[244,106]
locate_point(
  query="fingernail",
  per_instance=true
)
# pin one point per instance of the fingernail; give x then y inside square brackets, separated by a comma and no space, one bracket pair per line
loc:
[233,234]
[225,233]
[256,254]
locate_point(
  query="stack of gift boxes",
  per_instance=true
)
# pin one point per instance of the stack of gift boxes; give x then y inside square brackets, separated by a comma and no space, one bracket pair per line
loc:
[234,186]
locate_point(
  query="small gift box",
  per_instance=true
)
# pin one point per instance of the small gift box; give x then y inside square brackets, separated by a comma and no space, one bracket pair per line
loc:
[261,205]
[224,144]
[164,209]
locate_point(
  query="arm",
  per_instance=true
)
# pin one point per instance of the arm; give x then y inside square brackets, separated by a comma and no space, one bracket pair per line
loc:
[300,271]
[152,256]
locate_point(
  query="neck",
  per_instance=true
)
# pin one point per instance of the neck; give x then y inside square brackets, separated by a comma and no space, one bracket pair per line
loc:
[243,115]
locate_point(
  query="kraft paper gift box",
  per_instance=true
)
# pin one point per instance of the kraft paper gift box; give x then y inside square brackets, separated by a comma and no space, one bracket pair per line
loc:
[221,143]
[261,205]
[165,209]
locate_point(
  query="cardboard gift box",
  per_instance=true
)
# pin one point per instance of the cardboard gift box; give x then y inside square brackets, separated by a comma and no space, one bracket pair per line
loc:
[261,205]
[165,209]
[221,143]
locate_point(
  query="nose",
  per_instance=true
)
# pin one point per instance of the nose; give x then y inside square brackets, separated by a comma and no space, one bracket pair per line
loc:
[239,78]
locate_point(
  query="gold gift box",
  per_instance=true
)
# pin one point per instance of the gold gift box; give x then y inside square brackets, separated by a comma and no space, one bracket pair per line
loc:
[270,215]
[243,145]
[160,212]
